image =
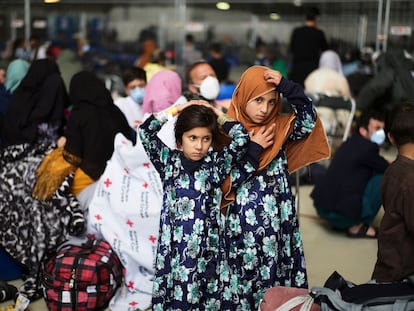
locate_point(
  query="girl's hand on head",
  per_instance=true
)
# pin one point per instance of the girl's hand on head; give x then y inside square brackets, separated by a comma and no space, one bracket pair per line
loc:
[136,124]
[264,136]
[191,102]
[272,76]
[184,105]
[217,111]
[202,103]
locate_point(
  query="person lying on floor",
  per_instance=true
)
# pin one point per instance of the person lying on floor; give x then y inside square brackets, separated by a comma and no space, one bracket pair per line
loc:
[348,196]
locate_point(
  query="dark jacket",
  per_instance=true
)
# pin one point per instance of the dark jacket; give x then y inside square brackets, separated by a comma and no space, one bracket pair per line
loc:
[392,85]
[342,188]
[306,45]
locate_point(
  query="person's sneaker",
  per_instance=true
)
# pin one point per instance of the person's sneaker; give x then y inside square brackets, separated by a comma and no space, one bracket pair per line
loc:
[7,291]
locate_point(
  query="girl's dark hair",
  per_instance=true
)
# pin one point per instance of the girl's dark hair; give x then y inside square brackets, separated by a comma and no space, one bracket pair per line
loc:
[401,123]
[196,116]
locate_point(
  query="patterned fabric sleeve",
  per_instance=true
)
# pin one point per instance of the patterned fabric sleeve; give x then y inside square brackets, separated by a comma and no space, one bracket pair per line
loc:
[234,151]
[302,105]
[156,150]
[244,169]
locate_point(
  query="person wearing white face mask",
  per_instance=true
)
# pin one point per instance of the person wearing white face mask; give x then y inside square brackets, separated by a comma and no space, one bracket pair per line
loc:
[348,195]
[202,83]
[135,81]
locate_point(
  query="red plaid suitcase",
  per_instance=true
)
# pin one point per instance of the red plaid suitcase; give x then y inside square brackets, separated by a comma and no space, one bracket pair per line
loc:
[82,277]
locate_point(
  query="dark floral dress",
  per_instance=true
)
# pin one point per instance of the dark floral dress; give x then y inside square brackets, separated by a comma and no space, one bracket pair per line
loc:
[263,239]
[190,245]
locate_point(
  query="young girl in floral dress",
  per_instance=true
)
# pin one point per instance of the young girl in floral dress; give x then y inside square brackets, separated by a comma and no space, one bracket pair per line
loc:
[190,245]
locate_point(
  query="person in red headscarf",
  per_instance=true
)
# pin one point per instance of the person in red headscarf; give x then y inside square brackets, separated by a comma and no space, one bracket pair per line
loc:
[263,241]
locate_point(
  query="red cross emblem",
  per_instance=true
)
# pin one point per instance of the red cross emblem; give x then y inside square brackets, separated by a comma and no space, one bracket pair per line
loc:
[107,182]
[152,238]
[131,285]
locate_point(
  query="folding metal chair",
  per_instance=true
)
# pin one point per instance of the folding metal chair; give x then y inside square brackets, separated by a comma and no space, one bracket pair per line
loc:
[337,114]
[342,112]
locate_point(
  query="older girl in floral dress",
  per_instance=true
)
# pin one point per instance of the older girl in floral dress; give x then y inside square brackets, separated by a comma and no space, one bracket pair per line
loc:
[263,240]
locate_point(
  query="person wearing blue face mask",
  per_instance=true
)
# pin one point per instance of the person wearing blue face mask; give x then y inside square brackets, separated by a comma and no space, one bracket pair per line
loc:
[135,81]
[348,195]
[85,55]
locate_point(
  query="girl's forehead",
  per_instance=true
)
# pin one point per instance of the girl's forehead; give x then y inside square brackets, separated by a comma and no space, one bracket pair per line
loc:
[268,96]
[271,95]
[199,131]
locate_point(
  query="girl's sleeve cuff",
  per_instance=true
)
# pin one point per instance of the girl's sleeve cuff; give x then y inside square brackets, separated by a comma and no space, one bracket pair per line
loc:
[254,150]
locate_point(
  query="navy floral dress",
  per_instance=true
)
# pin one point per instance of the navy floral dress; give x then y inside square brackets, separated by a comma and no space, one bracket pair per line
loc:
[190,245]
[263,240]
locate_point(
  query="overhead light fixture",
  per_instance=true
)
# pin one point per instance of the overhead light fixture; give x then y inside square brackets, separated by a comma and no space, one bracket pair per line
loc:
[297,2]
[51,1]
[224,6]
[274,16]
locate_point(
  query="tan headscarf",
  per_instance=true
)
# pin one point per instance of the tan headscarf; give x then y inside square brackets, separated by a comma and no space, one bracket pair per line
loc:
[299,153]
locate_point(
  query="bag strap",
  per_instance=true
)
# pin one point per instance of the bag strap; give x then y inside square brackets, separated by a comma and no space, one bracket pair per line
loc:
[305,300]
[331,301]
[325,295]
[410,278]
[307,305]
[400,305]
[75,241]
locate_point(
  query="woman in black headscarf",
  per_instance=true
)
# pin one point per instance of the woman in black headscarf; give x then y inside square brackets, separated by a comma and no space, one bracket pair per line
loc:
[30,228]
[93,124]
[90,133]
[38,224]
[35,113]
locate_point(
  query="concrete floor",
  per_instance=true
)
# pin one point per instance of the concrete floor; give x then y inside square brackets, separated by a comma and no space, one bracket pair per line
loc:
[325,250]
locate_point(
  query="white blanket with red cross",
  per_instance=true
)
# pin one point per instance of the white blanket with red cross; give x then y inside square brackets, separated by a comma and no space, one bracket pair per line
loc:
[125,211]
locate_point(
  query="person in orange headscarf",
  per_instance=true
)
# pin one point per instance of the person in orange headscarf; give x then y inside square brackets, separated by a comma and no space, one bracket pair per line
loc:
[263,242]
[149,46]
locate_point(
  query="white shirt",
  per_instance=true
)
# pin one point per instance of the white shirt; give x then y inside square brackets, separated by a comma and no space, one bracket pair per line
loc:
[130,109]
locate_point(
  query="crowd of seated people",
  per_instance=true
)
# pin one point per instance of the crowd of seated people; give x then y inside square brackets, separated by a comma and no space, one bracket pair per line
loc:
[61,137]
